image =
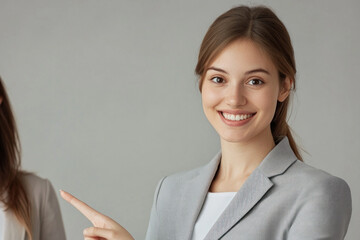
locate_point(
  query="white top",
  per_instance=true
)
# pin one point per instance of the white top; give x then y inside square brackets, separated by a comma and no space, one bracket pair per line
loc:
[214,205]
[2,221]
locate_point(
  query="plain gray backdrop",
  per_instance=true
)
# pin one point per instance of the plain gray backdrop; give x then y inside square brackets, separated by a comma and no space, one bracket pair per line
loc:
[107,103]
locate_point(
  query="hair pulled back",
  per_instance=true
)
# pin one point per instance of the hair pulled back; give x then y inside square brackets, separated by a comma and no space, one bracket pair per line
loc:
[263,27]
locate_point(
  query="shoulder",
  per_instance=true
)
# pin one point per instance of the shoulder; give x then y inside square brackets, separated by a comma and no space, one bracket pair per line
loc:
[38,189]
[188,175]
[45,209]
[310,182]
[34,183]
[175,184]
[312,177]
[178,179]
[322,203]
[185,175]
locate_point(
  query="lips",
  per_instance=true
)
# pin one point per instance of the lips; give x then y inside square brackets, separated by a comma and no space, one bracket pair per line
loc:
[236,118]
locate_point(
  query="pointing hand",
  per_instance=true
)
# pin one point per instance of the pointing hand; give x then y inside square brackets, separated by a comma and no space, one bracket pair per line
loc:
[104,227]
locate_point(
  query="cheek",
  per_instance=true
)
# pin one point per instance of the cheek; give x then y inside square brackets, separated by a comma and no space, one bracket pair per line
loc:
[210,97]
[268,103]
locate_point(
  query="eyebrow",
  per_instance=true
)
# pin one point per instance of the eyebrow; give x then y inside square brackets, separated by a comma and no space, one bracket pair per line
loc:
[246,73]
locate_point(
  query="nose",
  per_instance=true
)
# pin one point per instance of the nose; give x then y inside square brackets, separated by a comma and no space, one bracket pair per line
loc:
[235,96]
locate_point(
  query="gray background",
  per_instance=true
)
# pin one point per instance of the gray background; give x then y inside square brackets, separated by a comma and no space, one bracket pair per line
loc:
[107,103]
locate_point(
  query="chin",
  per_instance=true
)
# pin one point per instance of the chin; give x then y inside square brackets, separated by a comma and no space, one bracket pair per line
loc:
[233,138]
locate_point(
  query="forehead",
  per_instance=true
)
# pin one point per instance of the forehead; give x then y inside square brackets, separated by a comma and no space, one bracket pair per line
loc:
[242,55]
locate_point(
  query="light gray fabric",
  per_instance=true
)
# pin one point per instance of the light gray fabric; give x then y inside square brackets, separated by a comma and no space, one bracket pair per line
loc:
[283,198]
[45,213]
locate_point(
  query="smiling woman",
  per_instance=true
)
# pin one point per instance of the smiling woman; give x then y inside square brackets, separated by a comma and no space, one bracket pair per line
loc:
[240,91]
[257,187]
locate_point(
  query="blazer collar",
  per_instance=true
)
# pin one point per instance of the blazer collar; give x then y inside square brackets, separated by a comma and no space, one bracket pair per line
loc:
[195,191]
[280,158]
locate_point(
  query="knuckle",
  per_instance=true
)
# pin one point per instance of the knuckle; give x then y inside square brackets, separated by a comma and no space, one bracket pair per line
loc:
[88,231]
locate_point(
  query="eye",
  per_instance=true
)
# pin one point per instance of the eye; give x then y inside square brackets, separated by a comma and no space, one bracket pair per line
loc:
[255,81]
[217,80]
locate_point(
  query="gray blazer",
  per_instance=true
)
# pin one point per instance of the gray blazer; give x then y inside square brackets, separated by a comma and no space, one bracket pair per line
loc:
[46,217]
[283,198]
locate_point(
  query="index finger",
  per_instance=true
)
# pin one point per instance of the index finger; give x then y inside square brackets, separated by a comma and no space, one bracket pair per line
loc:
[85,209]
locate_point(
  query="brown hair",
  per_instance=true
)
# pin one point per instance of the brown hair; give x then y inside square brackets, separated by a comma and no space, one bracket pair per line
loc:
[12,191]
[263,27]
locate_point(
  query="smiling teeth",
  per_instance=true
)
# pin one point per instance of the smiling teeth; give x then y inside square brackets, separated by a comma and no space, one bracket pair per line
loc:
[233,117]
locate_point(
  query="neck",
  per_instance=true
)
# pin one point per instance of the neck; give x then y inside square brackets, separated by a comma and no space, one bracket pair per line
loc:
[239,159]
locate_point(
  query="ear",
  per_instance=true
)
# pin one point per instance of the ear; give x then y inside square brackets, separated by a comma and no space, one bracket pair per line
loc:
[285,89]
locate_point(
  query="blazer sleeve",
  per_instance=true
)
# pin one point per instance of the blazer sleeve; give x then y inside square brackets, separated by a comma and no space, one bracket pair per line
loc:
[153,228]
[51,220]
[323,212]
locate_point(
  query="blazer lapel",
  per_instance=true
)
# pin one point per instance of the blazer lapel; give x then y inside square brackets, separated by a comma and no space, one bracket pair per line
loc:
[254,188]
[13,229]
[249,194]
[193,198]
